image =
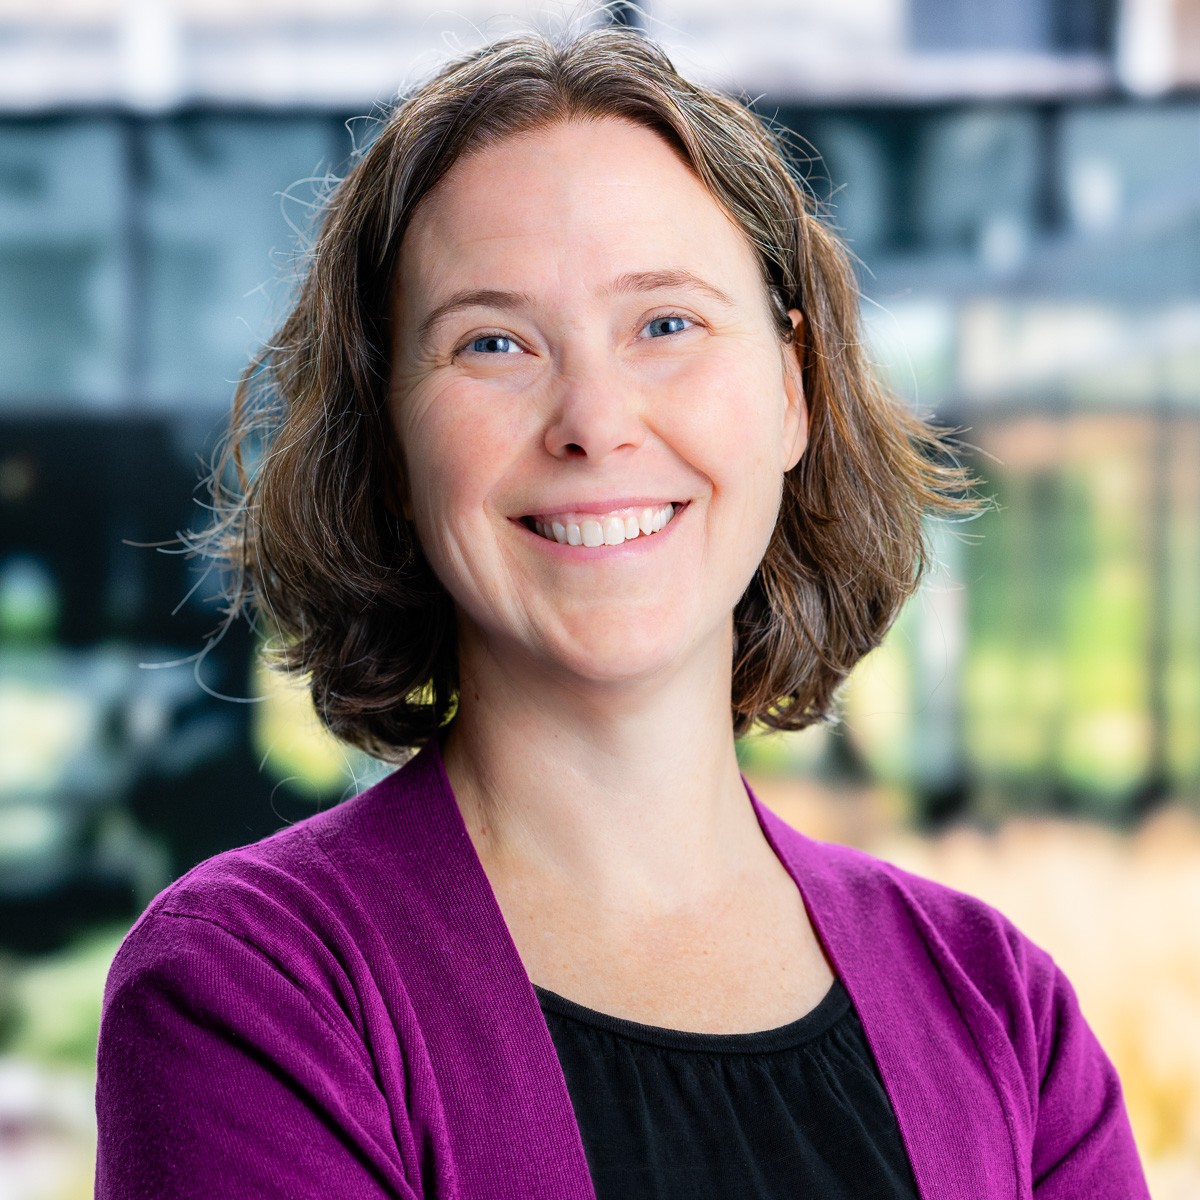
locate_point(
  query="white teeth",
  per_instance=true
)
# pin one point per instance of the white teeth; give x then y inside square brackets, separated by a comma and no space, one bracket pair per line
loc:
[605,530]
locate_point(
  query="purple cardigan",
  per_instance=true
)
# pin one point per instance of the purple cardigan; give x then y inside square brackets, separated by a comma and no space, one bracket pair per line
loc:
[339,1011]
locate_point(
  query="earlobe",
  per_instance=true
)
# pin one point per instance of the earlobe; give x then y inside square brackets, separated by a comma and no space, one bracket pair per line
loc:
[795,438]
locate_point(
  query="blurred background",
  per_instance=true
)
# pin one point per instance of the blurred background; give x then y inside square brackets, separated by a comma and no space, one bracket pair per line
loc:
[1021,184]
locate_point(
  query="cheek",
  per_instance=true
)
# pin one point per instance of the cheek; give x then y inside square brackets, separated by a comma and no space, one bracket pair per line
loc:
[731,419]
[738,426]
[455,453]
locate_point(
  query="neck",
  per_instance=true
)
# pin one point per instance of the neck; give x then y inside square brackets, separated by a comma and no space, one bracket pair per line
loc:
[627,794]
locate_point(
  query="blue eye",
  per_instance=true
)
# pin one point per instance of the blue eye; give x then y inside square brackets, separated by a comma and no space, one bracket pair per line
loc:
[678,325]
[493,343]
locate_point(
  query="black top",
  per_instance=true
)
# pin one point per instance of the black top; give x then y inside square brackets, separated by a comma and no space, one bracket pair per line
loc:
[795,1111]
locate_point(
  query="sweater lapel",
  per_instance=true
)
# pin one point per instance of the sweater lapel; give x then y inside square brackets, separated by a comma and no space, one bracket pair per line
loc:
[505,1108]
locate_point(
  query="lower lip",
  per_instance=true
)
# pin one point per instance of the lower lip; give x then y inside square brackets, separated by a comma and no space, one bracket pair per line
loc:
[642,544]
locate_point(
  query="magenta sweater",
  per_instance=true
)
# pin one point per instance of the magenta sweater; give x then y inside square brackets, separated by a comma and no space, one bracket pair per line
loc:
[338,1011]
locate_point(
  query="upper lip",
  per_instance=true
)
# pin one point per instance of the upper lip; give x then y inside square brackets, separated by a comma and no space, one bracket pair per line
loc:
[599,507]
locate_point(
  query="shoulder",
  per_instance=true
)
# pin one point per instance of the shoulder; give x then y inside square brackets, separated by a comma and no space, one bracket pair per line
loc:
[338,903]
[884,912]
[254,889]
[311,870]
[249,986]
[952,923]
[970,930]
[1059,1087]
[282,907]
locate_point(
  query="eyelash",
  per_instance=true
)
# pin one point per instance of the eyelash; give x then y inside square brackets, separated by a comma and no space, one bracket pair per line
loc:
[487,333]
[496,333]
[672,316]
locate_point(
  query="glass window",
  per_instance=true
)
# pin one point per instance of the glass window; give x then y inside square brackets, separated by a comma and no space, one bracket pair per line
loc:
[62,265]
[1131,191]
[222,197]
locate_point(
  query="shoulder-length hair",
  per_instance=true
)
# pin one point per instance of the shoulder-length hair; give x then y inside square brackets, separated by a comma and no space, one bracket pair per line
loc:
[306,524]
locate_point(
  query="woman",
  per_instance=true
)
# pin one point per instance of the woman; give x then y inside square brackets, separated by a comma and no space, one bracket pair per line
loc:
[574,470]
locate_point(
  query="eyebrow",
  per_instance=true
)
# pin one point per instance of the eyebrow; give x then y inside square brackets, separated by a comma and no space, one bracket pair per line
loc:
[629,283]
[650,281]
[473,298]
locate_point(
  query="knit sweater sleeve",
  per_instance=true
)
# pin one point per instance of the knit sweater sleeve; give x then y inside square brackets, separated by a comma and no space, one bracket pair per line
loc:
[1083,1143]
[1058,1092]
[220,1074]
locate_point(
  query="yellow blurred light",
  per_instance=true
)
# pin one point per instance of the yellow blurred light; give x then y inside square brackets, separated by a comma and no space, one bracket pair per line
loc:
[289,738]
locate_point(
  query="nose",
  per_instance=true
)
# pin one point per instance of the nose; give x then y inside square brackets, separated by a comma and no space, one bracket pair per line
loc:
[594,413]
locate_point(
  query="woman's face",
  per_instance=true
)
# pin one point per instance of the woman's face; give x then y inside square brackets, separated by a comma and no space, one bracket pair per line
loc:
[583,348]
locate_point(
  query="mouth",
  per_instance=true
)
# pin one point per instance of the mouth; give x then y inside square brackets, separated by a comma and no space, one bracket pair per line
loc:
[603,529]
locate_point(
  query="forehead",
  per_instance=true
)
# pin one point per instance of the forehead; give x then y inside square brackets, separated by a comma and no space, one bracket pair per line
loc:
[566,201]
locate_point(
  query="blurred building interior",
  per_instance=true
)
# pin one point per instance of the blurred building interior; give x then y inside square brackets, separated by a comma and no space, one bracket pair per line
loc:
[1020,183]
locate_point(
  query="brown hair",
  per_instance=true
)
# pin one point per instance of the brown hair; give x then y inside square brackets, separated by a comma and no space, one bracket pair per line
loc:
[311,537]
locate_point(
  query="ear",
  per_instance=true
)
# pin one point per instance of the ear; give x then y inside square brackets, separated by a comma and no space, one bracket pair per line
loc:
[795,421]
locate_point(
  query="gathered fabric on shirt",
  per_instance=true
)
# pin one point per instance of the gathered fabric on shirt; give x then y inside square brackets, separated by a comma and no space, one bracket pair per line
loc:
[667,1114]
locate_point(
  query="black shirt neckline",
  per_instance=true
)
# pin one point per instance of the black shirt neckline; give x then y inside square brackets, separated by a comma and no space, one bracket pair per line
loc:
[819,1020]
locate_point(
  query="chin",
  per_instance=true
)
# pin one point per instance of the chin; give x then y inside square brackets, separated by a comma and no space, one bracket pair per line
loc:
[615,671]
[618,657]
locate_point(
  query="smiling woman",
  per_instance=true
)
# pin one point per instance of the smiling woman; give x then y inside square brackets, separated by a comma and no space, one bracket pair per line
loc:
[574,470]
